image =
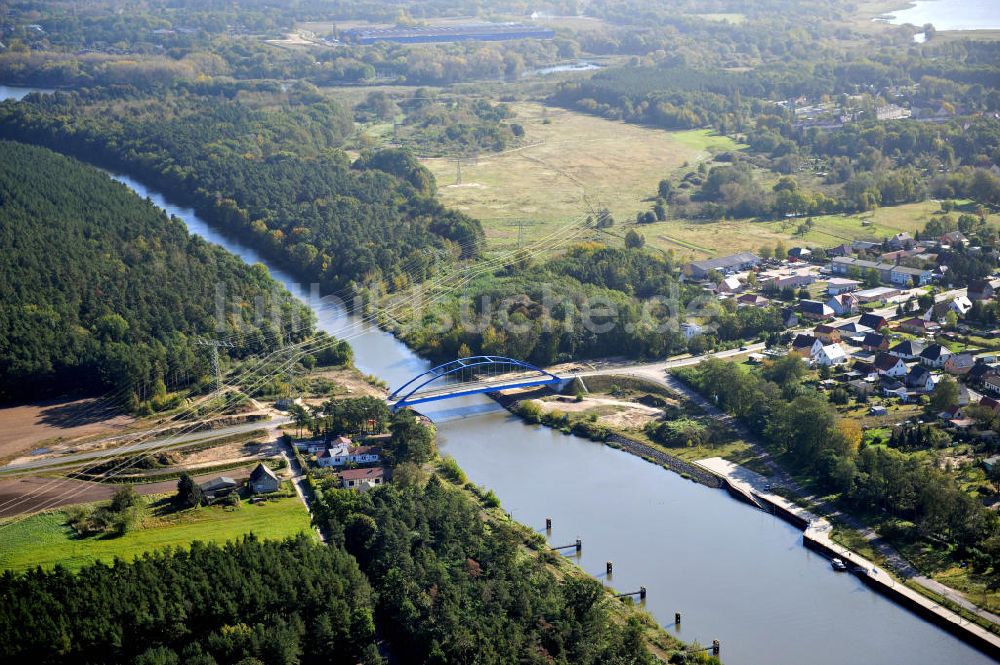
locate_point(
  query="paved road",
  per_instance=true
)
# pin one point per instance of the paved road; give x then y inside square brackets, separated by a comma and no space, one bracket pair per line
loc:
[152,444]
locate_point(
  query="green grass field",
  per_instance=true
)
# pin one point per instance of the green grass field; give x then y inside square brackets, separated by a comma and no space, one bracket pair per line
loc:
[45,539]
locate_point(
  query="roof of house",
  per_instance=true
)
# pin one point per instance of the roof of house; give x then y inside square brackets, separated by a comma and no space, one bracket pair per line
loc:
[979,370]
[978,286]
[261,472]
[961,359]
[340,440]
[873,321]
[723,262]
[885,362]
[834,351]
[934,352]
[815,307]
[918,373]
[873,339]
[917,322]
[854,328]
[908,347]
[732,283]
[370,473]
[906,270]
[824,329]
[803,341]
[222,482]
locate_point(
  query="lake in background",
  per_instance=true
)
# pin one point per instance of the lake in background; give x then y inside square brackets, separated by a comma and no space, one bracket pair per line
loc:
[950,14]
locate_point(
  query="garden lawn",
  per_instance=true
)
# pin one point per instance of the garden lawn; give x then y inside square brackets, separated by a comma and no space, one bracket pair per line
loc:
[45,539]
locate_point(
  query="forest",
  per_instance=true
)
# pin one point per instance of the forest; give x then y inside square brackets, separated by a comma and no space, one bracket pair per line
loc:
[100,291]
[275,176]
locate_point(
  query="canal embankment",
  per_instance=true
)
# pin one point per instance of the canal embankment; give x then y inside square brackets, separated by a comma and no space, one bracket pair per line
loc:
[816,535]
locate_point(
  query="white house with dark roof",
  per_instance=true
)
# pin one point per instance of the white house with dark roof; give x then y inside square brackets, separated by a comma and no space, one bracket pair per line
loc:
[887,365]
[935,356]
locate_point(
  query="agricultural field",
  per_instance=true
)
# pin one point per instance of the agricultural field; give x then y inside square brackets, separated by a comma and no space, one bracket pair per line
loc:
[572,162]
[46,540]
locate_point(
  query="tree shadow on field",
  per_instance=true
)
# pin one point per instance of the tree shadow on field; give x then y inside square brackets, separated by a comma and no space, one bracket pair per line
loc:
[78,413]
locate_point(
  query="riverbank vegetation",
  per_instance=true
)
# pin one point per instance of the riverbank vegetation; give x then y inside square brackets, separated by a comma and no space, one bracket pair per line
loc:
[892,479]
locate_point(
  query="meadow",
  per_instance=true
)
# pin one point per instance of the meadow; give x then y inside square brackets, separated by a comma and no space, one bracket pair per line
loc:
[573,163]
[46,540]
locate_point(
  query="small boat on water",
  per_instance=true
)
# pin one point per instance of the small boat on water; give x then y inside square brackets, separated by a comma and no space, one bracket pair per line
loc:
[838,565]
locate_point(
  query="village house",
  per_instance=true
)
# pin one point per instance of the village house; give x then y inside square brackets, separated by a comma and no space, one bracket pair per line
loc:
[877,294]
[690,329]
[893,388]
[918,326]
[979,289]
[817,311]
[362,480]
[909,349]
[991,382]
[843,304]
[902,240]
[990,403]
[218,487]
[854,329]
[752,300]
[805,345]
[979,371]
[920,379]
[934,356]
[873,321]
[831,354]
[906,276]
[837,285]
[887,365]
[263,480]
[826,334]
[339,454]
[953,238]
[875,342]
[722,264]
[789,317]
[800,253]
[960,305]
[731,284]
[958,363]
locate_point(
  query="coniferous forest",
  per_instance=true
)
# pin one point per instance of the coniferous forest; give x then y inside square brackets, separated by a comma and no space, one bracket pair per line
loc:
[99,290]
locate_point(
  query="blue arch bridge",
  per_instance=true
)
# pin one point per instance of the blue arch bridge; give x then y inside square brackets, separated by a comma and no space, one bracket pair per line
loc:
[472,376]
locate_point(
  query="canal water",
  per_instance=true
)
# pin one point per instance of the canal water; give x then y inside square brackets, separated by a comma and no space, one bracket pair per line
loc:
[735,573]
